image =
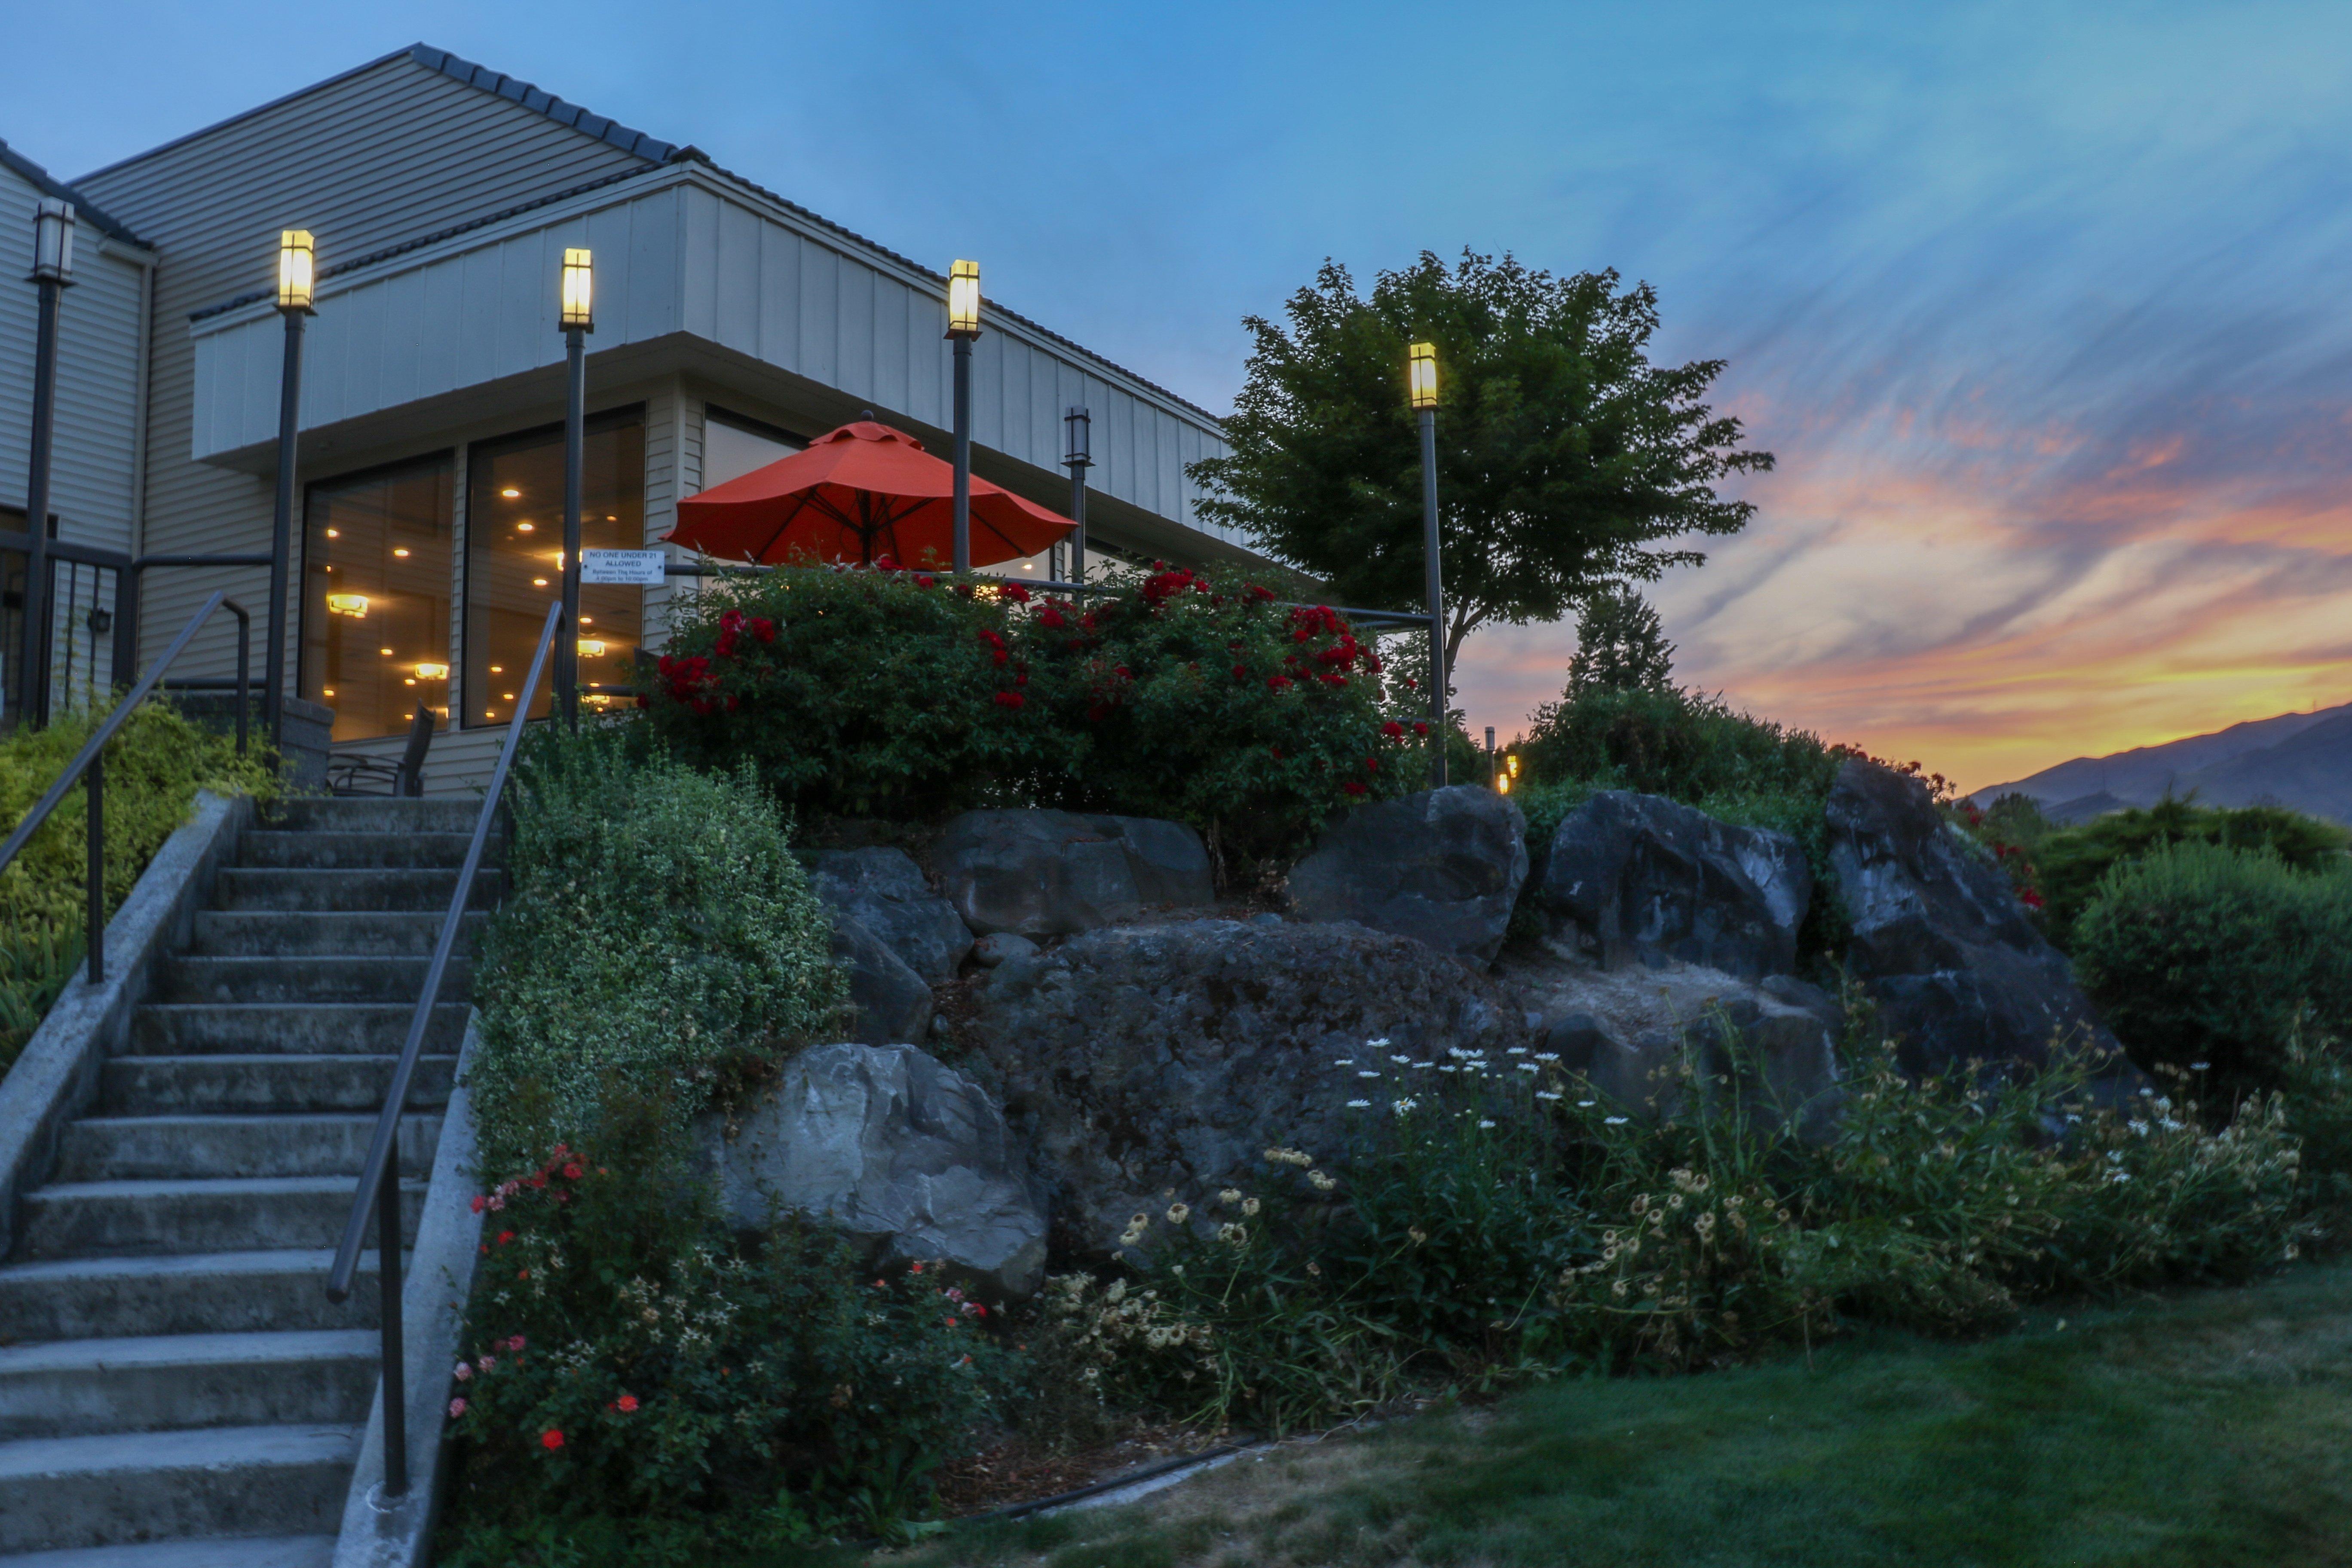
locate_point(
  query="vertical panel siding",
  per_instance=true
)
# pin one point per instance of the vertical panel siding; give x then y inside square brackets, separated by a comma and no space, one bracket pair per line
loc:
[366,162]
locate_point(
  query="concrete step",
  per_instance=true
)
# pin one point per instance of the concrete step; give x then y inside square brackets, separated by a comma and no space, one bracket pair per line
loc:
[371,814]
[249,933]
[71,1388]
[244,1213]
[181,978]
[136,1487]
[188,1293]
[347,851]
[291,1028]
[302,888]
[152,1148]
[211,1551]
[222,1084]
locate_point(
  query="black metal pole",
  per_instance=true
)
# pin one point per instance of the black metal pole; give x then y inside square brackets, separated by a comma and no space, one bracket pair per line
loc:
[32,685]
[244,669]
[963,453]
[395,1377]
[281,527]
[1437,585]
[575,415]
[93,783]
[1079,516]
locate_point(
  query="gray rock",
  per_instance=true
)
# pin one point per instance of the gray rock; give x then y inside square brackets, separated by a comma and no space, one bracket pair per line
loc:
[1000,945]
[910,1157]
[1443,867]
[1054,873]
[1638,877]
[1959,975]
[1650,1040]
[893,1003]
[885,891]
[1140,1060]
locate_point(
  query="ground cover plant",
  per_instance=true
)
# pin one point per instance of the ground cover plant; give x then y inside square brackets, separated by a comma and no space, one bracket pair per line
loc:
[2195,1429]
[154,767]
[657,926]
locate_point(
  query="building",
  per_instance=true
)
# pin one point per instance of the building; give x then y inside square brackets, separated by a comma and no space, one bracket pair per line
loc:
[731,325]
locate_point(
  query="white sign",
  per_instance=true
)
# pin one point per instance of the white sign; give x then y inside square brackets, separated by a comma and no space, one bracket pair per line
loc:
[641,568]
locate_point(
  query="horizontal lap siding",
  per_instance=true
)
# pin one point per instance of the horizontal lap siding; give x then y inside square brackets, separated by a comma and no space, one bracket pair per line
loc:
[369,162]
[95,447]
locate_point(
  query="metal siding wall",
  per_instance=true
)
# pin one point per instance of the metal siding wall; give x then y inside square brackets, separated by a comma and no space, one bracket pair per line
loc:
[370,162]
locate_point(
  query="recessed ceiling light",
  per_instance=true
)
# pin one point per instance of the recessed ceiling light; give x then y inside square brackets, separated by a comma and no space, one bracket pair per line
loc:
[498,669]
[334,533]
[385,651]
[400,553]
[522,528]
[538,581]
[512,493]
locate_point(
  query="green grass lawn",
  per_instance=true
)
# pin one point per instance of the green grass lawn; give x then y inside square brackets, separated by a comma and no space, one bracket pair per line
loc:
[2211,1429]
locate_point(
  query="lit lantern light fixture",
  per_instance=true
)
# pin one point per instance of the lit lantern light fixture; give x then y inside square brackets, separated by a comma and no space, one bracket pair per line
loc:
[1503,785]
[353,605]
[590,647]
[1512,762]
[298,269]
[432,672]
[1421,375]
[53,237]
[579,296]
[963,300]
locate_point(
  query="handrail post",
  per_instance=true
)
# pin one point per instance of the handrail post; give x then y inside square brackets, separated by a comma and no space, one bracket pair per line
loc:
[243,668]
[395,1378]
[93,783]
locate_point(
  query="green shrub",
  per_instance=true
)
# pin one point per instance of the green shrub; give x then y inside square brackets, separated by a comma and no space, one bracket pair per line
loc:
[627,1357]
[2073,862]
[2201,953]
[861,693]
[154,766]
[1208,702]
[1681,744]
[657,926]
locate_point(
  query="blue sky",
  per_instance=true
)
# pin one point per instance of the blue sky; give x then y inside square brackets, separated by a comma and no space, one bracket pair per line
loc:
[2042,307]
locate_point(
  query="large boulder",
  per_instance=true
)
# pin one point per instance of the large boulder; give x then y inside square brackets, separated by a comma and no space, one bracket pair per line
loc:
[890,1002]
[1640,878]
[1939,940]
[1443,867]
[1141,1062]
[884,890]
[1053,873]
[910,1157]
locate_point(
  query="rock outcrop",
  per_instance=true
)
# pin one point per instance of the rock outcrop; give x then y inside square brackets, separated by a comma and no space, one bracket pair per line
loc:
[1939,940]
[911,1158]
[1443,867]
[1640,878]
[1138,1061]
[1054,873]
[891,1002]
[884,890]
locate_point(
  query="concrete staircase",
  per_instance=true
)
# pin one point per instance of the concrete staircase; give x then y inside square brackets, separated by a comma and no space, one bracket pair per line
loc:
[175,1390]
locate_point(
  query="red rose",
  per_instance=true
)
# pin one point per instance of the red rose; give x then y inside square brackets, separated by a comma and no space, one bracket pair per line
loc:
[764,629]
[1419,728]
[1010,698]
[626,1404]
[1352,787]
[551,1439]
[1393,730]
[1016,592]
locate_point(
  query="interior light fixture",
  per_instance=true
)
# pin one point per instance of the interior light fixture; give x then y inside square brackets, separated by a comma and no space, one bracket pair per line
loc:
[524,527]
[498,669]
[385,651]
[432,672]
[331,691]
[352,605]
[410,681]
[402,553]
[512,493]
[334,533]
[591,646]
[538,581]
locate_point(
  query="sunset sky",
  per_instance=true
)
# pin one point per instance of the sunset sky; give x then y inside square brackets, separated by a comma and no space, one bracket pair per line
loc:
[2042,307]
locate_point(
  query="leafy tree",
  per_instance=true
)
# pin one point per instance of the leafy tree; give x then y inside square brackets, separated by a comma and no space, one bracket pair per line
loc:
[1564,456]
[1620,644]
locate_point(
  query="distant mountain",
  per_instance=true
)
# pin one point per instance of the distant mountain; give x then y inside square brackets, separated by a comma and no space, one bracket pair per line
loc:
[2300,760]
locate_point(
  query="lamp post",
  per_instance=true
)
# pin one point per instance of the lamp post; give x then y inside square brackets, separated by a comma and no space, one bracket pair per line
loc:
[1421,388]
[298,273]
[1078,460]
[963,326]
[579,317]
[52,275]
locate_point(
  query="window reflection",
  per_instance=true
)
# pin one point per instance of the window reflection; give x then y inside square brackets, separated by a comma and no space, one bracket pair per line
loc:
[375,596]
[514,551]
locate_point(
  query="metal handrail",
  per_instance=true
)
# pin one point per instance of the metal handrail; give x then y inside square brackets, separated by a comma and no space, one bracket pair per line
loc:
[380,1176]
[88,766]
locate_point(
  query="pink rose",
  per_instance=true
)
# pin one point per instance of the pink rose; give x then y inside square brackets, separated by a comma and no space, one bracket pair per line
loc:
[463,1371]
[456,1408]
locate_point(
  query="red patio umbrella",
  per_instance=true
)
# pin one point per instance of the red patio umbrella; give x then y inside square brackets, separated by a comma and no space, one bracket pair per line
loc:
[860,494]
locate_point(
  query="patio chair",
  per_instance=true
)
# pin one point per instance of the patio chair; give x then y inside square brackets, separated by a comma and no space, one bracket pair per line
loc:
[355,773]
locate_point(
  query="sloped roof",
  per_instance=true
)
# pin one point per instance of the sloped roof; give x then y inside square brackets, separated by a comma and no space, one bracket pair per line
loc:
[89,211]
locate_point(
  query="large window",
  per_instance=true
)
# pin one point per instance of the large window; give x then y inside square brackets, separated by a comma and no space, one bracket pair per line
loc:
[514,553]
[735,444]
[375,596]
